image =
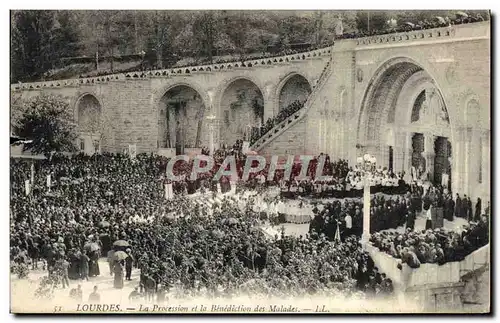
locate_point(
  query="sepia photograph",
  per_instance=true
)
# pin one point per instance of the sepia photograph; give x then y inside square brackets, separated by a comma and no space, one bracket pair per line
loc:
[250,161]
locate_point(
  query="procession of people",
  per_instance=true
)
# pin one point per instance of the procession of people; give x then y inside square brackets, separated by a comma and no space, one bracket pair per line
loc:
[113,206]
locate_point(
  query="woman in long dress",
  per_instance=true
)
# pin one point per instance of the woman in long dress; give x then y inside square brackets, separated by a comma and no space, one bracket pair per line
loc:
[94,264]
[118,271]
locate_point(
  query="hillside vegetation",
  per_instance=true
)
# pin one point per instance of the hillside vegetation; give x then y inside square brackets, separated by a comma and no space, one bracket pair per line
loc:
[63,44]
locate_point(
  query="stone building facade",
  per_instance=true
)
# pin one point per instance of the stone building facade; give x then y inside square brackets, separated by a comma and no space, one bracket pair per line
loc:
[418,99]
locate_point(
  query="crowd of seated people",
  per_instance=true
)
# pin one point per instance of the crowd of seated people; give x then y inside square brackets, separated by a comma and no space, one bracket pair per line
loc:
[433,246]
[282,115]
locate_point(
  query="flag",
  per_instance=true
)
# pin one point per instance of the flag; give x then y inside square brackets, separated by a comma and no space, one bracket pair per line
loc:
[169,193]
[337,234]
[32,173]
[27,187]
[132,151]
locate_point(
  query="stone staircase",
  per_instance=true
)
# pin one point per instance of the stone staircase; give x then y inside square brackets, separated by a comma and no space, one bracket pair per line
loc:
[280,128]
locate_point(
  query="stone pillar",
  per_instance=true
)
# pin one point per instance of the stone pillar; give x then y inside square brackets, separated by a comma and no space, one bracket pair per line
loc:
[270,109]
[461,161]
[399,151]
[486,167]
[429,155]
[467,161]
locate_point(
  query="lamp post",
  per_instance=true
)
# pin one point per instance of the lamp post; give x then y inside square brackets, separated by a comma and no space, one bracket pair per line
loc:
[367,163]
[211,125]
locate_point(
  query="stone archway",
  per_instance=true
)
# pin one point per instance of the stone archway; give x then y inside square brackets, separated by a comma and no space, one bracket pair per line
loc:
[90,124]
[294,88]
[242,110]
[180,122]
[404,121]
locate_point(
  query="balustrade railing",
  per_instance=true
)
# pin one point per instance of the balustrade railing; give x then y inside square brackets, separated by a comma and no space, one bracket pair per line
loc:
[294,117]
[187,70]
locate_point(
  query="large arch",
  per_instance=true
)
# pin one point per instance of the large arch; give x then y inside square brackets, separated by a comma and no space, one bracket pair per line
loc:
[241,109]
[181,110]
[404,121]
[90,124]
[293,88]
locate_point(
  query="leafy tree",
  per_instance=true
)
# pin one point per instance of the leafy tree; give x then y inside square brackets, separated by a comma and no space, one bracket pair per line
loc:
[32,41]
[206,27]
[371,21]
[48,122]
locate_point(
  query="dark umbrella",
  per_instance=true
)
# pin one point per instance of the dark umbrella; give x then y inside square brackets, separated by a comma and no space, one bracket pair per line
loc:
[121,243]
[119,255]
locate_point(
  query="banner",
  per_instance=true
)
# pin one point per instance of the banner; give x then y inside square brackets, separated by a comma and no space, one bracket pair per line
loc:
[337,234]
[49,181]
[246,147]
[27,187]
[32,173]
[169,192]
[132,151]
[444,180]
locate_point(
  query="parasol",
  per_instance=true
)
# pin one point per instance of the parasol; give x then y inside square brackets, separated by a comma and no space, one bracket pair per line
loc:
[412,25]
[120,255]
[91,246]
[121,243]
[103,224]
[461,14]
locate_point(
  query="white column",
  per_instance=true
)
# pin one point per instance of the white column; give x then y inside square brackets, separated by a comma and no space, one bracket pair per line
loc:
[366,211]
[429,155]
[211,138]
[467,158]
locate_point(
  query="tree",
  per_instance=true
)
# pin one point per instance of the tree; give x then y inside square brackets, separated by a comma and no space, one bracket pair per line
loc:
[32,43]
[48,122]
[206,28]
[371,21]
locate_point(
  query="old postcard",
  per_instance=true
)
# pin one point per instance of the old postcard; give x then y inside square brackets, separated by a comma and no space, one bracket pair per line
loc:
[250,161]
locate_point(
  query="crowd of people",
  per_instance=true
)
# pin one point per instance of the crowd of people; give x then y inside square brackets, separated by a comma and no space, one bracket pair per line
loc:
[110,205]
[282,115]
[436,22]
[433,246]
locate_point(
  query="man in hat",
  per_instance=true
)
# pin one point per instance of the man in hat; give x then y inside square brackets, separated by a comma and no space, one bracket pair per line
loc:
[129,261]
